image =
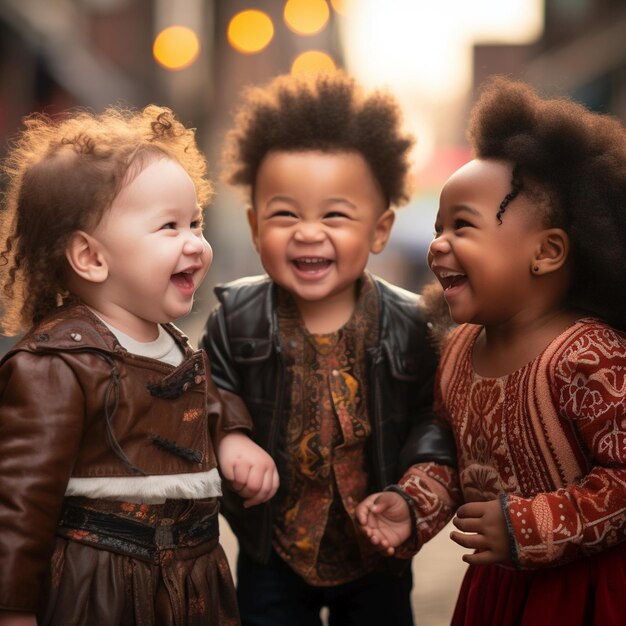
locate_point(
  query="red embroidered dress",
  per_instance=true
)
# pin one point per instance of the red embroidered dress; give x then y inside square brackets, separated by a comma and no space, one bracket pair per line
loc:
[549,440]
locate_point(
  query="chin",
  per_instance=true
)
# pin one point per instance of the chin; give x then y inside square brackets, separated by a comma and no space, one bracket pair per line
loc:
[458,317]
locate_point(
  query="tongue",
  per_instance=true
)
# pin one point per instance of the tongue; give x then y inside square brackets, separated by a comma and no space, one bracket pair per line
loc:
[182,280]
[457,280]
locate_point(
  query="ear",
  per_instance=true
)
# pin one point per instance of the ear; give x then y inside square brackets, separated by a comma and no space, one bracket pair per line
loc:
[83,253]
[551,252]
[254,227]
[382,230]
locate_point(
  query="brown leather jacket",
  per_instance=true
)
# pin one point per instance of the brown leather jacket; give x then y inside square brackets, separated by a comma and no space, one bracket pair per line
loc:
[74,403]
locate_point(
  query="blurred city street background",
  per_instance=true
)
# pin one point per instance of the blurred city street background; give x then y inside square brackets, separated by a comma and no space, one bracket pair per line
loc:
[196,55]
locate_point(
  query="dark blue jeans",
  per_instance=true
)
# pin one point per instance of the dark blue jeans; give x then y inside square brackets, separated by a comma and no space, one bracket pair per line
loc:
[274,595]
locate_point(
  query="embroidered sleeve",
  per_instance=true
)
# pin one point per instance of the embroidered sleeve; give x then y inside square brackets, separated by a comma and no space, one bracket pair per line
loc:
[589,515]
[435,493]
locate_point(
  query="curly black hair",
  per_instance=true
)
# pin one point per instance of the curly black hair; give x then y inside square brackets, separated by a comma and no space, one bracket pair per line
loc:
[575,161]
[329,113]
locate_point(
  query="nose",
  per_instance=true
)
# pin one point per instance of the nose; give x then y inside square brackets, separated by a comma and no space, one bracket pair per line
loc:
[309,232]
[439,245]
[195,244]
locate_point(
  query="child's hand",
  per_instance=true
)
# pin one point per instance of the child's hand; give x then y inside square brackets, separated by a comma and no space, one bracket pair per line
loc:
[386,520]
[488,534]
[250,470]
[10,618]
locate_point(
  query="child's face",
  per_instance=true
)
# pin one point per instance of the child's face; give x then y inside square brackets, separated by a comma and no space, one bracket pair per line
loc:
[316,219]
[484,267]
[152,245]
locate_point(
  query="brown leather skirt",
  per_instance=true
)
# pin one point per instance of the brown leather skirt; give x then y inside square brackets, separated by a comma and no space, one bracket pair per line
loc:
[123,564]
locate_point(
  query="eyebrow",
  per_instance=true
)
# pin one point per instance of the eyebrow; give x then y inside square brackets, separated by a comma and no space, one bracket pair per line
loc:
[325,202]
[339,200]
[287,199]
[464,207]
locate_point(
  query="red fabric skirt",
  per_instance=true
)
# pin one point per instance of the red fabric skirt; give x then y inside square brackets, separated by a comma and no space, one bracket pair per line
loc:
[587,592]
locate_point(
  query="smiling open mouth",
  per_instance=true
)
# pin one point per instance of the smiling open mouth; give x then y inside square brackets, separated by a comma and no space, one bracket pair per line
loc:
[183,280]
[311,264]
[451,280]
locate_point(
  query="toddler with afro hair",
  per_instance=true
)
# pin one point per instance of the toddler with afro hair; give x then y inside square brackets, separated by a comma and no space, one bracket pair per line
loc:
[335,365]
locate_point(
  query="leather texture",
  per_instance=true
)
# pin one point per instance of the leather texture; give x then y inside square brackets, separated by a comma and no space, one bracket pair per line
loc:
[242,340]
[74,403]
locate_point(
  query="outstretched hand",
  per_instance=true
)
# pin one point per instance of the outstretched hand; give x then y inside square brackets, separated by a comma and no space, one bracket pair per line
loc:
[248,468]
[386,520]
[483,529]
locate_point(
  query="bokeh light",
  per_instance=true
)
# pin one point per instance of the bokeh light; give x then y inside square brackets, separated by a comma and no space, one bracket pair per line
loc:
[313,62]
[250,31]
[341,6]
[306,17]
[176,47]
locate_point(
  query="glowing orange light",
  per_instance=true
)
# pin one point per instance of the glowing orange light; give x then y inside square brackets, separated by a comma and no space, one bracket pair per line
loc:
[340,6]
[313,62]
[176,47]
[250,31]
[306,17]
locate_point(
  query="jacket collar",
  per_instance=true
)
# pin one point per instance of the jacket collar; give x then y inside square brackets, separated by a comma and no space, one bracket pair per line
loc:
[74,326]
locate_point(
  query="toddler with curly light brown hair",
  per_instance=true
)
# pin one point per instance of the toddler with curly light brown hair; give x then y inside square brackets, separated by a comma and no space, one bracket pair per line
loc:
[111,430]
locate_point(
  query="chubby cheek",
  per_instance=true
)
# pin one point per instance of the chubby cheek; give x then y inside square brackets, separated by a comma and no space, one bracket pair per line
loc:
[207,254]
[206,259]
[271,262]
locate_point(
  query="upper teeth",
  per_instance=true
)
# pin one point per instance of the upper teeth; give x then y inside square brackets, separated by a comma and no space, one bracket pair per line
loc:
[310,260]
[446,274]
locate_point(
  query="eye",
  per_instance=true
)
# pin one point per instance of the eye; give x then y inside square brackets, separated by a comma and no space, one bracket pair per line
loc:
[461,223]
[334,215]
[282,213]
[196,224]
[437,231]
[169,226]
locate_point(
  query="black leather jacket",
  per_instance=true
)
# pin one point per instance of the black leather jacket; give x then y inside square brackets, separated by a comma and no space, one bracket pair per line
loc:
[243,343]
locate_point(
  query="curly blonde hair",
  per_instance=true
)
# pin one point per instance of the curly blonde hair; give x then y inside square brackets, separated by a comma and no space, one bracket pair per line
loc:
[63,175]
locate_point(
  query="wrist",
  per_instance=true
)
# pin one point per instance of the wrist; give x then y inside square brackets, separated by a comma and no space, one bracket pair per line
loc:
[412,512]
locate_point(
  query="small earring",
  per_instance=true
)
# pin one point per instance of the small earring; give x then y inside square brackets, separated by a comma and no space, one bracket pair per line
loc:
[535,268]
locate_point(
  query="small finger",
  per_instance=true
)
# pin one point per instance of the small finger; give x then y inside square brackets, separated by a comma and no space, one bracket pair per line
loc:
[485,557]
[275,482]
[468,524]
[470,509]
[240,476]
[471,541]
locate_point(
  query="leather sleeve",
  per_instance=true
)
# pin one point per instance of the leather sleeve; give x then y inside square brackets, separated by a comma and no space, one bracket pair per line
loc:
[214,341]
[430,439]
[41,423]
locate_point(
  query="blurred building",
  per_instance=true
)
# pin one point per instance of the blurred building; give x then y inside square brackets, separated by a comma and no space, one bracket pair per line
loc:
[581,53]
